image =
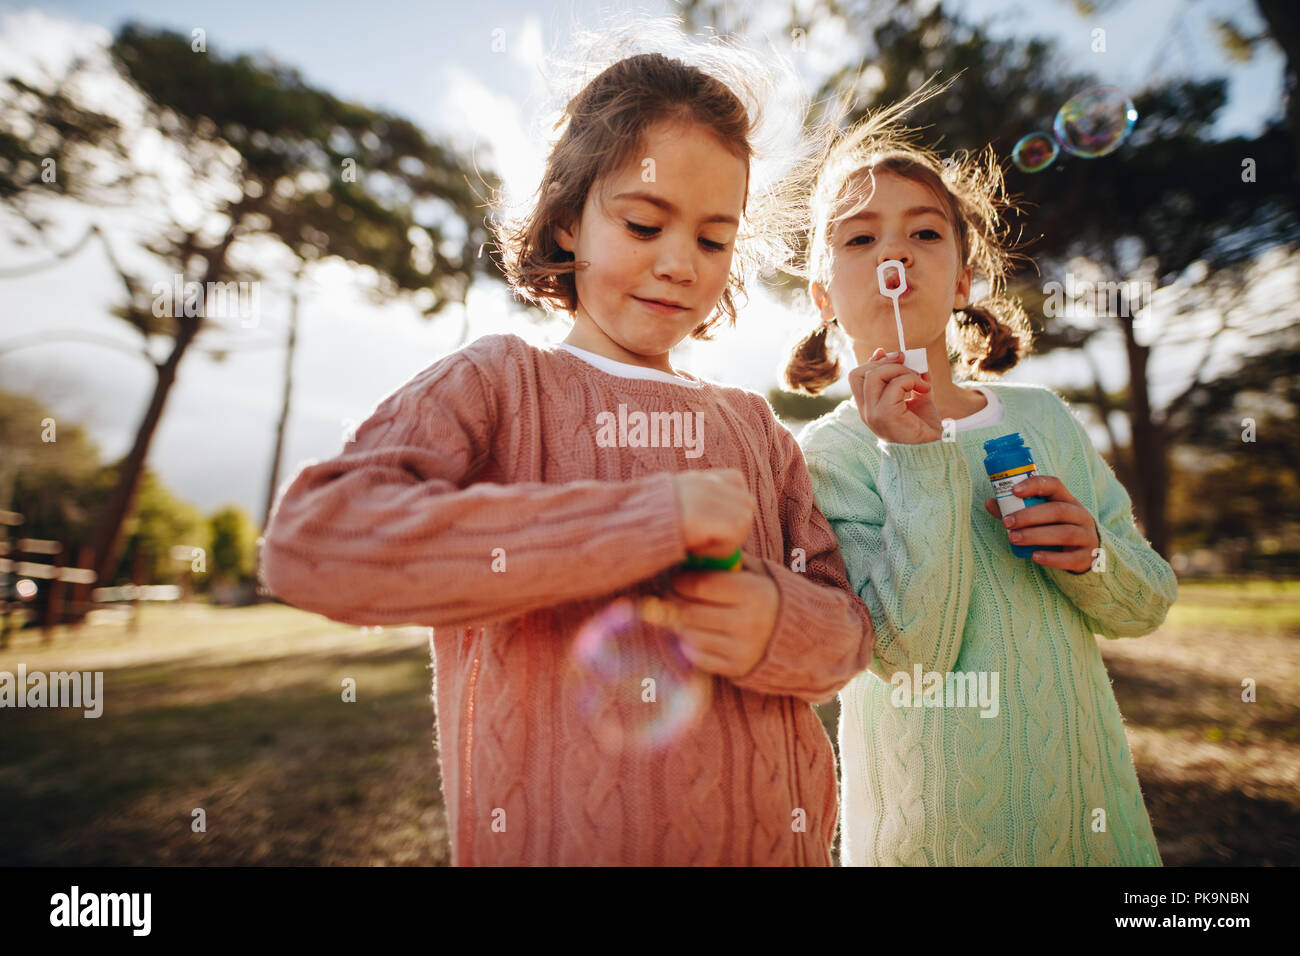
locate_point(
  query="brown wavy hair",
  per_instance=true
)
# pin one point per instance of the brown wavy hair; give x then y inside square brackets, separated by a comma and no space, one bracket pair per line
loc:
[987,337]
[606,124]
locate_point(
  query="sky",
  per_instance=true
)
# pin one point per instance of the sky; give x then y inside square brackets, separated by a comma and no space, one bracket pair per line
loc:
[477,75]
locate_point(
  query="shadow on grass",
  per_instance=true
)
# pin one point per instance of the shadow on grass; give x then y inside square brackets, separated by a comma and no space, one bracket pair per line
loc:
[1201,824]
[1178,698]
[291,775]
[1210,817]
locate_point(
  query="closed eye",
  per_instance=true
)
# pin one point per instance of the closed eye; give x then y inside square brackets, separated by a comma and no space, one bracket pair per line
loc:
[649,232]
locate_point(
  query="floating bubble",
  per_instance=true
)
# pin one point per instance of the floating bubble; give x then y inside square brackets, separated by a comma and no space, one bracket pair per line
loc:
[1094,122]
[1034,152]
[617,654]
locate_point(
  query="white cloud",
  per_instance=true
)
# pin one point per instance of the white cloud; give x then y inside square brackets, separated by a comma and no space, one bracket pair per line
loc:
[528,48]
[493,119]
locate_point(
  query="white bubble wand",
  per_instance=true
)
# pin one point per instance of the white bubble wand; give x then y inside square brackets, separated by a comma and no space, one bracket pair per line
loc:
[915,359]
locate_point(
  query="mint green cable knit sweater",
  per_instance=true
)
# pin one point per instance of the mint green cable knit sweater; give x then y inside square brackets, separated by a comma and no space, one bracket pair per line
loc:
[1038,772]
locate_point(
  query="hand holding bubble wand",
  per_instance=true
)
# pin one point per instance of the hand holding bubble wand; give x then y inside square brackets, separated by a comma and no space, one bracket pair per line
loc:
[915,359]
[635,686]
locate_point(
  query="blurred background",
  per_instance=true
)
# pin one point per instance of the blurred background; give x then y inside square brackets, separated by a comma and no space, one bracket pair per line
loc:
[228,231]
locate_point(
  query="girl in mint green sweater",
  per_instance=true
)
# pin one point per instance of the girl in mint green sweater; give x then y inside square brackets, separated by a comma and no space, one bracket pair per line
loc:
[985,731]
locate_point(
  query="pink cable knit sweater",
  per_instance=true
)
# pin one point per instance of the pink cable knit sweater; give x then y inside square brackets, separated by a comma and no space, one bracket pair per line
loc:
[493,457]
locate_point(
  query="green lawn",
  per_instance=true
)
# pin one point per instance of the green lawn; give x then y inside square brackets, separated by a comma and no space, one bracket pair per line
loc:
[239,712]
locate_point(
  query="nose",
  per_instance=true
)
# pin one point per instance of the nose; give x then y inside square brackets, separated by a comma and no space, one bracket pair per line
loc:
[674,261]
[893,248]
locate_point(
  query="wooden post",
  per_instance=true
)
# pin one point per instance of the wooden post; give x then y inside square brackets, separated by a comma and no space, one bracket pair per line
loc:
[139,571]
[54,601]
[81,590]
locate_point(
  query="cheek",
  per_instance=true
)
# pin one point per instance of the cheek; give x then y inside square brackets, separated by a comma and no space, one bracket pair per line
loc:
[718,268]
[614,257]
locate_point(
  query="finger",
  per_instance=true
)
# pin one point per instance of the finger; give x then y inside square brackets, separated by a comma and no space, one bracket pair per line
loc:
[858,376]
[991,505]
[711,621]
[686,583]
[718,588]
[1067,535]
[1044,486]
[880,377]
[1050,512]
[704,639]
[857,386]
[1073,560]
[707,661]
[899,385]
[873,365]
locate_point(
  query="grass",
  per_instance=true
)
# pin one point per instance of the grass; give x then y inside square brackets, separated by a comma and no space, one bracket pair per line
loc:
[1221,776]
[239,713]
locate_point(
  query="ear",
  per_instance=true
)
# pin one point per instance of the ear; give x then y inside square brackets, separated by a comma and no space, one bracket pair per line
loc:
[822,300]
[566,238]
[962,297]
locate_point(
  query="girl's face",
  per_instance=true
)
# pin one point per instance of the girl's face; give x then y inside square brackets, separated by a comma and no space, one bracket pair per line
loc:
[657,237]
[904,221]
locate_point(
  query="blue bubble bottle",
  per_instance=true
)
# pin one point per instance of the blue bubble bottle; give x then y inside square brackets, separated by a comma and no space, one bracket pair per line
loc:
[1009,462]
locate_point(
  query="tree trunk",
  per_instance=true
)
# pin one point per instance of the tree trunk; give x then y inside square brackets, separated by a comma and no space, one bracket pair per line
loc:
[1150,471]
[108,534]
[283,424]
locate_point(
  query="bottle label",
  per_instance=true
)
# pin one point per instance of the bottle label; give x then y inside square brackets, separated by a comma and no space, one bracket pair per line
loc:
[1004,481]
[998,475]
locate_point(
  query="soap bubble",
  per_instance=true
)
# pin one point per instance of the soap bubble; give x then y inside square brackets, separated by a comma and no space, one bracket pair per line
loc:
[1034,152]
[614,653]
[1095,122]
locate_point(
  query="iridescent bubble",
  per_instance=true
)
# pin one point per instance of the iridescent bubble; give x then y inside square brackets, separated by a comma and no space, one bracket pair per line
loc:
[616,654]
[1035,152]
[1094,122]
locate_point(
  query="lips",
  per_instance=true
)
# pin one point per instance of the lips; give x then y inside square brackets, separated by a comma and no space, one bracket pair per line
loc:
[661,305]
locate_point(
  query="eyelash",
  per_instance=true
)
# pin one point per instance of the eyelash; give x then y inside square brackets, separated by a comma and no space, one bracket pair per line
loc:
[918,232]
[648,232]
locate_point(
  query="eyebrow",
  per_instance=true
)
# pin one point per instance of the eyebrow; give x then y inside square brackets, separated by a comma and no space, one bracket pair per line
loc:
[914,211]
[668,207]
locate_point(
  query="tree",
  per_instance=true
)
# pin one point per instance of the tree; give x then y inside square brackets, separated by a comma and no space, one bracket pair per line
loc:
[1167,204]
[234,544]
[47,468]
[1282,21]
[161,521]
[279,168]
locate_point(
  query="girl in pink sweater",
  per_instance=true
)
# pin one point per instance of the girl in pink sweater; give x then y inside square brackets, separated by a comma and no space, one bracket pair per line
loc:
[509,494]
